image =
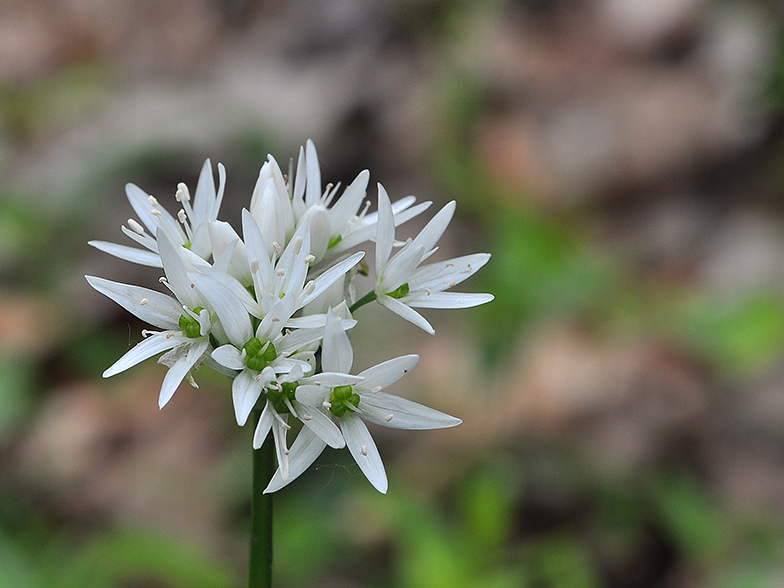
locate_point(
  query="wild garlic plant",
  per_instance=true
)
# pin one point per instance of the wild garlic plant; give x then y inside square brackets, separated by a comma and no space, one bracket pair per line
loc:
[271,308]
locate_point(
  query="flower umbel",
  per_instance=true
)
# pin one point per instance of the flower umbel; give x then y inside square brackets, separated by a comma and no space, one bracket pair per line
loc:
[271,309]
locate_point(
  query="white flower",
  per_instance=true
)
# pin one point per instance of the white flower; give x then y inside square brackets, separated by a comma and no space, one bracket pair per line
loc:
[189,229]
[337,226]
[348,401]
[185,320]
[401,285]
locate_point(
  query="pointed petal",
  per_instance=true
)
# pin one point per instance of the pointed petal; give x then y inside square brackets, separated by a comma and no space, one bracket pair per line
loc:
[204,198]
[311,394]
[231,312]
[304,451]
[321,425]
[364,451]
[448,300]
[387,373]
[256,249]
[282,451]
[176,272]
[180,369]
[245,391]
[337,355]
[148,347]
[349,202]
[392,411]
[229,356]
[406,312]
[150,306]
[429,236]
[399,269]
[264,425]
[313,186]
[385,229]
[132,254]
[330,276]
[445,274]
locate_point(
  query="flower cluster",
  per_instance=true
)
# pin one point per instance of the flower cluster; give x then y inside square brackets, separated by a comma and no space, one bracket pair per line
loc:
[271,309]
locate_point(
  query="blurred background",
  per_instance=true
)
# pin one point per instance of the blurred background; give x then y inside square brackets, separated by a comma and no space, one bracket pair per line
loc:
[623,396]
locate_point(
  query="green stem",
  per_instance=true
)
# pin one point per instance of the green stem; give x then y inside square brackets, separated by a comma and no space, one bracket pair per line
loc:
[369,297]
[260,565]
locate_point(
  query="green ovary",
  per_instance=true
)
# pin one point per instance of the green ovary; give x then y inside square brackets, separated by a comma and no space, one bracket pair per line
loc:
[341,398]
[278,397]
[259,355]
[400,292]
[190,325]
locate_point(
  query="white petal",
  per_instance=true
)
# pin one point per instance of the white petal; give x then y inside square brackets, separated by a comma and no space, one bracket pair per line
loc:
[150,306]
[445,274]
[364,451]
[385,229]
[180,369]
[282,451]
[148,347]
[313,186]
[312,395]
[392,411]
[263,426]
[337,354]
[304,451]
[321,424]
[448,300]
[132,254]
[256,249]
[176,272]
[276,318]
[245,391]
[204,198]
[399,269]
[329,277]
[222,236]
[387,373]
[231,312]
[406,312]
[349,202]
[229,356]
[429,236]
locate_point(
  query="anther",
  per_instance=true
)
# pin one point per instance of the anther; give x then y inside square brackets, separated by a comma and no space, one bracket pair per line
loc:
[152,200]
[306,417]
[450,265]
[427,291]
[254,265]
[280,272]
[364,450]
[276,320]
[183,218]
[169,335]
[389,417]
[155,212]
[309,258]
[309,288]
[135,226]
[376,389]
[452,282]
[144,301]
[296,245]
[182,194]
[162,279]
[276,247]
[326,404]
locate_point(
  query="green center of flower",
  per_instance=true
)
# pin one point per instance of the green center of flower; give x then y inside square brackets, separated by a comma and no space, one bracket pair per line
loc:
[259,355]
[341,398]
[400,292]
[190,325]
[286,391]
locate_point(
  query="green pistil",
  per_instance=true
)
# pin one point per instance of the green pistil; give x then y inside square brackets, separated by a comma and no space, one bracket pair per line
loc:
[258,354]
[278,398]
[341,398]
[190,325]
[400,292]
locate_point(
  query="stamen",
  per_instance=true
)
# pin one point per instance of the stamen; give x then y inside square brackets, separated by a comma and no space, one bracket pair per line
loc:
[451,283]
[309,288]
[182,194]
[450,265]
[326,404]
[389,417]
[181,216]
[254,265]
[280,272]
[309,258]
[192,382]
[290,406]
[144,301]
[135,226]
[427,291]
[363,450]
[169,335]
[155,212]
[376,389]
[276,248]
[276,319]
[146,333]
[365,209]
[162,279]
[296,245]
[282,422]
[152,200]
[306,417]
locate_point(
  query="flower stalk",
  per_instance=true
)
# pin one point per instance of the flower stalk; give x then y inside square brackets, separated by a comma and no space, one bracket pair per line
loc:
[260,564]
